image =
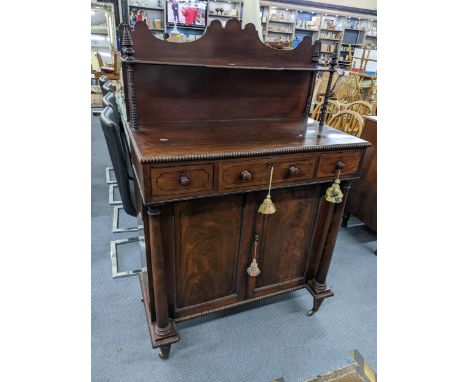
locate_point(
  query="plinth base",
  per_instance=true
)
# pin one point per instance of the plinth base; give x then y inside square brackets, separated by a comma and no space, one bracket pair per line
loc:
[157,341]
[319,295]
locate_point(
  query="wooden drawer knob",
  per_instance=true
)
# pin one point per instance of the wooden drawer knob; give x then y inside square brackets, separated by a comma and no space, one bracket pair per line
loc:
[340,165]
[184,180]
[246,176]
[293,171]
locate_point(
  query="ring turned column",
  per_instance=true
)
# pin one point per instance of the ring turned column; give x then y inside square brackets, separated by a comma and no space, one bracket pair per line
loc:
[164,327]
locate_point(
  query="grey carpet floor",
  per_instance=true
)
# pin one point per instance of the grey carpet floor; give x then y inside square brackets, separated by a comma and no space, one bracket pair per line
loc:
[259,342]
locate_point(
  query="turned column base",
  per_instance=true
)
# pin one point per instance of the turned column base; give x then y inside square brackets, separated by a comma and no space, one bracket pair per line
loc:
[161,338]
[319,292]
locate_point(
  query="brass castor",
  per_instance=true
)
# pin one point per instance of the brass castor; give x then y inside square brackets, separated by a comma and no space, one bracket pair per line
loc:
[317,303]
[345,219]
[164,352]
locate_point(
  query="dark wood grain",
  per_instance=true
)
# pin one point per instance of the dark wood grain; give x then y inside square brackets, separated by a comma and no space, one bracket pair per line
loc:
[362,198]
[208,236]
[225,139]
[230,173]
[285,236]
[181,179]
[347,162]
[229,46]
[212,117]
[180,93]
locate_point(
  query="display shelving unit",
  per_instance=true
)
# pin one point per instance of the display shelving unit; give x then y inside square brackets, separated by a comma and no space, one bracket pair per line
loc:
[307,24]
[224,10]
[370,39]
[154,11]
[282,25]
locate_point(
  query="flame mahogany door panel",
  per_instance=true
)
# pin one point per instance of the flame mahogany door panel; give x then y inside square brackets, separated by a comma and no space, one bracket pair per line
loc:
[208,254]
[285,239]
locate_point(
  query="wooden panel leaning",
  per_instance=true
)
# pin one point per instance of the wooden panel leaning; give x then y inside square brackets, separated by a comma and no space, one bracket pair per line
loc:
[211,125]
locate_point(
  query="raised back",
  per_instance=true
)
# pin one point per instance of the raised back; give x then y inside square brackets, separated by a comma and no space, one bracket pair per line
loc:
[102,80]
[109,100]
[228,46]
[107,87]
[118,155]
[228,74]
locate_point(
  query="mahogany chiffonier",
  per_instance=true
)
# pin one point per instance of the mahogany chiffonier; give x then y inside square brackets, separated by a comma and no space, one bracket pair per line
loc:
[210,122]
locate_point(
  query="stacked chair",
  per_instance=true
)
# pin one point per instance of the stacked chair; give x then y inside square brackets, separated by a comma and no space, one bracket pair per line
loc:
[106,85]
[104,90]
[348,121]
[119,153]
[332,109]
[102,81]
[360,107]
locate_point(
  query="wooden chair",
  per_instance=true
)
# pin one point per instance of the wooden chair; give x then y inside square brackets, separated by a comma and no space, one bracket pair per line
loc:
[332,109]
[348,121]
[347,89]
[361,107]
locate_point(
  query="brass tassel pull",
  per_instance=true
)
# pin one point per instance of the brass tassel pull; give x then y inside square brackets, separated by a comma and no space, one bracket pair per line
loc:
[254,270]
[334,193]
[267,207]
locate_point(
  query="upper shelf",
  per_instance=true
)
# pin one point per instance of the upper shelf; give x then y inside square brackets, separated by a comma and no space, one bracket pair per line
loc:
[228,47]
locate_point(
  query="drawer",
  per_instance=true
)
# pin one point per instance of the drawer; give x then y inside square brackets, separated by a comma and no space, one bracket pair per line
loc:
[327,163]
[181,180]
[253,173]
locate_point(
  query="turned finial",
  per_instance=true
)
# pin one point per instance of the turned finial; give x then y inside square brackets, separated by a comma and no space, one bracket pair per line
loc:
[127,44]
[333,63]
[316,53]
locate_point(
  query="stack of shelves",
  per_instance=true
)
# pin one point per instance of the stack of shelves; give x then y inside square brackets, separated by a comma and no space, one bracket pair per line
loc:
[282,26]
[353,36]
[370,40]
[307,24]
[223,10]
[150,11]
[179,20]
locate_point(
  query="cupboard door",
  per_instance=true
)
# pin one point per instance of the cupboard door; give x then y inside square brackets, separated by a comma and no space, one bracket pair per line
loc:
[285,239]
[208,236]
